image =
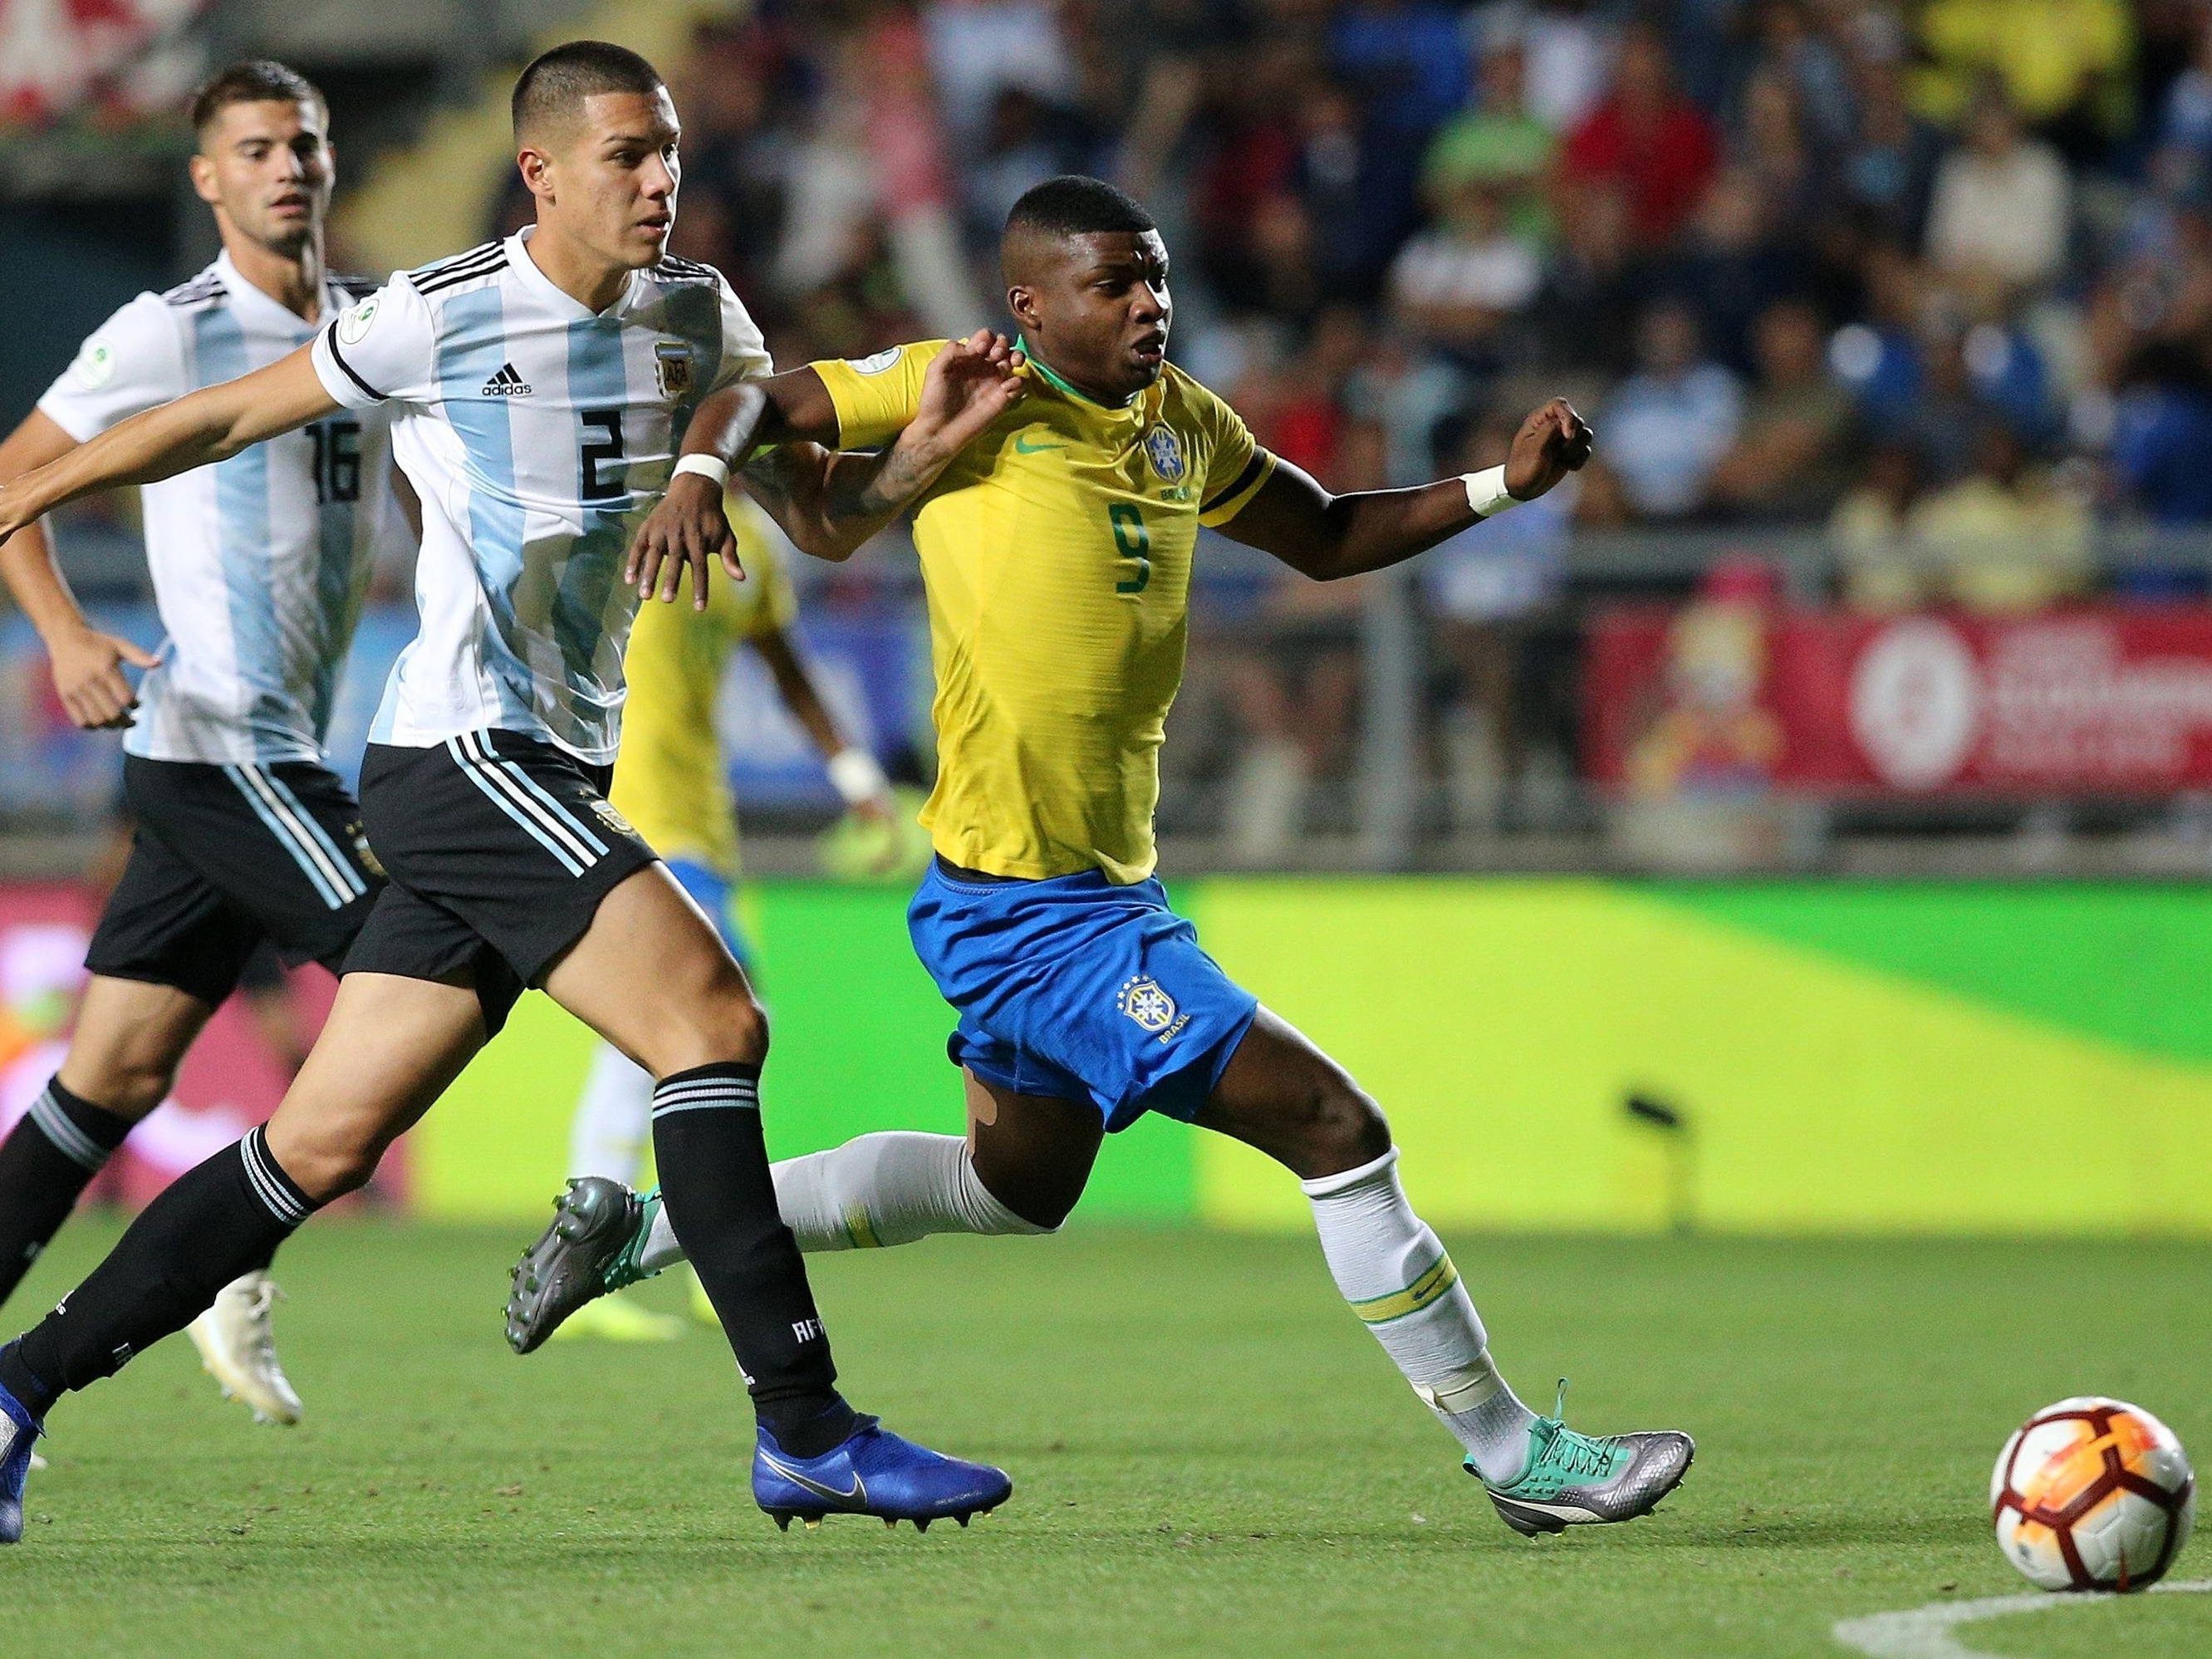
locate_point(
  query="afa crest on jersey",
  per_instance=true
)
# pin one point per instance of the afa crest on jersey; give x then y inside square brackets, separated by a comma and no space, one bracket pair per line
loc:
[1165,454]
[672,361]
[1143,1000]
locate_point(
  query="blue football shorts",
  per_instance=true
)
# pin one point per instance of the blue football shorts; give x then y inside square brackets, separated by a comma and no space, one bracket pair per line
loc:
[1079,989]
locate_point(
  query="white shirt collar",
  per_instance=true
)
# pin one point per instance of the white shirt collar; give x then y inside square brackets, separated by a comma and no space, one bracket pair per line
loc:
[562,302]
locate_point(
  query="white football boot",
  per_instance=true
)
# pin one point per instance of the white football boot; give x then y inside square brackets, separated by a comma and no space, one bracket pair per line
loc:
[238,1349]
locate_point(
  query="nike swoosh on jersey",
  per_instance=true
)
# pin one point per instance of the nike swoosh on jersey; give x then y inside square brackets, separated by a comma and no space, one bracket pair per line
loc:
[858,1494]
[1023,446]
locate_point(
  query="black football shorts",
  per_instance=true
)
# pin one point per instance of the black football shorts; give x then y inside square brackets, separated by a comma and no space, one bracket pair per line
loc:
[499,848]
[224,858]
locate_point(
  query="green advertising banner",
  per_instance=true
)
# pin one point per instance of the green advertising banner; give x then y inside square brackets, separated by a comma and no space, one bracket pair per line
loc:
[1835,1057]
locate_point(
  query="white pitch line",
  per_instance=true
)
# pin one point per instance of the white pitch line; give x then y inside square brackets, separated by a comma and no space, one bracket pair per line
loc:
[1925,1632]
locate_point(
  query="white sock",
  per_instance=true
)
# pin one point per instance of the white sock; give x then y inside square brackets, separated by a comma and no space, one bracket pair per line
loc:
[1394,1272]
[607,1135]
[871,1193]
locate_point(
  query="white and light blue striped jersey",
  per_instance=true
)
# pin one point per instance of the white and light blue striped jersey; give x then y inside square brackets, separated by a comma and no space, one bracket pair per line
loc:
[259,562]
[539,434]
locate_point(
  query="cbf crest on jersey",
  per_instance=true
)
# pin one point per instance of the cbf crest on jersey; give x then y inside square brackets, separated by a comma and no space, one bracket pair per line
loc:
[672,361]
[1165,454]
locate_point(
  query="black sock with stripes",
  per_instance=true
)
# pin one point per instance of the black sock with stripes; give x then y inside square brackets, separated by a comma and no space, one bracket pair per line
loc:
[47,1161]
[713,1159]
[214,1223]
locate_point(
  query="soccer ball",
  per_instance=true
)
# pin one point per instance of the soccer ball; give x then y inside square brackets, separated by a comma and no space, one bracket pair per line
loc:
[2092,1494]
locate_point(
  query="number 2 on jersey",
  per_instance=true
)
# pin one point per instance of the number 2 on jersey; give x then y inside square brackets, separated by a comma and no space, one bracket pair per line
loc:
[1134,541]
[599,486]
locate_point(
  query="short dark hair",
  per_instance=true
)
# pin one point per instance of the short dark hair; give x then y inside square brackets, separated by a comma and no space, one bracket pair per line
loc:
[556,83]
[255,80]
[1074,206]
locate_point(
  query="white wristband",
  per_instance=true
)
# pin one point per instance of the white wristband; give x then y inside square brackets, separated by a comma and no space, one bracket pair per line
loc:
[707,466]
[855,775]
[1486,492]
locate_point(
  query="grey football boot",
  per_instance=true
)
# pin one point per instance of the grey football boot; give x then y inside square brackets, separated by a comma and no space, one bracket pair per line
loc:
[590,1248]
[1576,1479]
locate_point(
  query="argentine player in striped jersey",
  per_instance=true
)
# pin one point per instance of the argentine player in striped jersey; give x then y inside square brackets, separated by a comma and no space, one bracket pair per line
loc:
[259,563]
[538,386]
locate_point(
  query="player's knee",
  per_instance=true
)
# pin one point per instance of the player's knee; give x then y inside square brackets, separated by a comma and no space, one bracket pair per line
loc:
[129,1086]
[1338,1127]
[1042,1204]
[328,1166]
[726,1023]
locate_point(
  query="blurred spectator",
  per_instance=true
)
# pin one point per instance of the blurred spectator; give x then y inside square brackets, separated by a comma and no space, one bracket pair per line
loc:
[1775,151]
[1570,57]
[1788,462]
[1733,266]
[1669,424]
[1496,141]
[2006,537]
[1407,60]
[1293,684]
[1453,285]
[1240,188]
[1890,159]
[1408,392]
[1344,215]
[1870,533]
[2002,206]
[2162,441]
[977,49]
[2067,65]
[1808,65]
[1586,313]
[1025,141]
[1647,140]
[1485,586]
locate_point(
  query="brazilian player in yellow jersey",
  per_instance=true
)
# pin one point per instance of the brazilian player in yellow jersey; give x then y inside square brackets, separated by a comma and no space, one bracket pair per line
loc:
[669,783]
[1057,486]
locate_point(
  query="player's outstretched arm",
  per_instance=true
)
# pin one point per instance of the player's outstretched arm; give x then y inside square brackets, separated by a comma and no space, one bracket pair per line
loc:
[1327,537]
[828,504]
[209,425]
[88,665]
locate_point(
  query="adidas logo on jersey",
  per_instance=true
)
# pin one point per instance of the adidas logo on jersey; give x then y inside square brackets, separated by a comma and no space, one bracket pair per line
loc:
[506,384]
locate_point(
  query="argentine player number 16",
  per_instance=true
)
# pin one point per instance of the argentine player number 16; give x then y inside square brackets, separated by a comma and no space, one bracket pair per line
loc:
[336,460]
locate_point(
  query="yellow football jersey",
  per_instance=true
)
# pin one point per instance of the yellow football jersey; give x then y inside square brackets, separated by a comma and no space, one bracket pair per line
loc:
[1056,552]
[669,780]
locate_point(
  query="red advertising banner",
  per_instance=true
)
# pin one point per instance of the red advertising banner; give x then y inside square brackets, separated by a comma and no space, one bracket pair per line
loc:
[232,1080]
[1723,698]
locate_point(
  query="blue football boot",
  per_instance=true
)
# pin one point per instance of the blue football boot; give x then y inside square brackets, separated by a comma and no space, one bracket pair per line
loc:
[873,1472]
[19,1432]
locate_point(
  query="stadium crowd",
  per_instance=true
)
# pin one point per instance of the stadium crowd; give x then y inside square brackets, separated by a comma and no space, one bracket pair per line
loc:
[1938,276]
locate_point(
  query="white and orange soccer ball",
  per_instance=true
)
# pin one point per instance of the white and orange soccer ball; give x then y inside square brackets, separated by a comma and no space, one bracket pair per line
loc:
[2092,1494]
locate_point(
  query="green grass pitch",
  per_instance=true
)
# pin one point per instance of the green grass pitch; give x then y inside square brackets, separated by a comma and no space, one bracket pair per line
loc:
[1211,1457]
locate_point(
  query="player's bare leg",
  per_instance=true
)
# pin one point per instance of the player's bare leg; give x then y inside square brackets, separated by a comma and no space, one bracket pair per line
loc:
[1280,1094]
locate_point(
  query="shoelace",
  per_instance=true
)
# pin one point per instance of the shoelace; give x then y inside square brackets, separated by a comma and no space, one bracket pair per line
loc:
[1575,1454]
[259,1302]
